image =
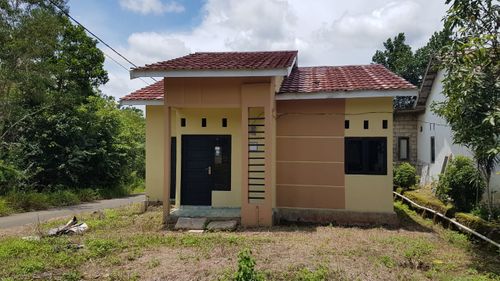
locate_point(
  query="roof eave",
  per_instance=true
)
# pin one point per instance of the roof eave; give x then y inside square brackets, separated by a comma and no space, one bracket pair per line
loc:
[348,94]
[136,73]
[141,102]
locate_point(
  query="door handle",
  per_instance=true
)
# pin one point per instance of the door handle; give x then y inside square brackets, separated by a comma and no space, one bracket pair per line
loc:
[209,170]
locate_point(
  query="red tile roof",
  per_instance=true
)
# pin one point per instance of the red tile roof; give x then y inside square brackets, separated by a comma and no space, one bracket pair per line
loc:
[314,79]
[343,78]
[227,61]
[151,92]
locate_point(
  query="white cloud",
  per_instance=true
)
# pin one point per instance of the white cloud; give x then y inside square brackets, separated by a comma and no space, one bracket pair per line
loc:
[325,32]
[151,6]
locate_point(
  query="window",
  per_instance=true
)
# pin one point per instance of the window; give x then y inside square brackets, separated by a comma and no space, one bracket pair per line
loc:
[224,122]
[404,148]
[366,156]
[433,150]
[203,122]
[346,124]
[365,124]
[384,124]
[183,122]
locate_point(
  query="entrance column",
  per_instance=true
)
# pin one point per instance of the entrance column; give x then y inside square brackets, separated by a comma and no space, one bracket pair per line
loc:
[257,127]
[166,165]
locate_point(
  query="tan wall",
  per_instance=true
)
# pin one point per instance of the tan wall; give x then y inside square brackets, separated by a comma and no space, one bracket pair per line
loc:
[154,151]
[370,193]
[310,154]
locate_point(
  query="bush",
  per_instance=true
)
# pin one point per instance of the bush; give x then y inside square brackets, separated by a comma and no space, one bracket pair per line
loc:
[4,208]
[482,211]
[461,183]
[478,224]
[87,195]
[28,201]
[63,198]
[425,198]
[405,175]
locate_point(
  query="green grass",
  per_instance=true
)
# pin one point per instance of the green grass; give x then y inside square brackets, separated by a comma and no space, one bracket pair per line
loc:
[126,243]
[17,202]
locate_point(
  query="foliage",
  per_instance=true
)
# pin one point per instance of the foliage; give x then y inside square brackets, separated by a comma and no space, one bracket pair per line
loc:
[405,175]
[246,267]
[486,213]
[480,225]
[425,198]
[57,131]
[471,85]
[320,274]
[461,184]
[398,57]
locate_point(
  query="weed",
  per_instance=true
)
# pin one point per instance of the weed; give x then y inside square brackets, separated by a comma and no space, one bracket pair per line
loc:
[73,275]
[101,247]
[246,267]
[320,274]
[153,263]
[387,261]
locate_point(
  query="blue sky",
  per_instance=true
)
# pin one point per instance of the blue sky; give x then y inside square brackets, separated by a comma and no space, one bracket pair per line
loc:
[326,32]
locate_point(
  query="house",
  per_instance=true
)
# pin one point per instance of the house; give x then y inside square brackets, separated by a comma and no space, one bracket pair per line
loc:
[435,146]
[256,133]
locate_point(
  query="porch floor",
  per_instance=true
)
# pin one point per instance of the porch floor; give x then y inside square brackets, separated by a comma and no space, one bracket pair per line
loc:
[206,212]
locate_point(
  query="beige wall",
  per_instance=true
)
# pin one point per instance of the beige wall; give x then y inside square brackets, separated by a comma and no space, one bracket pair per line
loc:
[154,151]
[370,193]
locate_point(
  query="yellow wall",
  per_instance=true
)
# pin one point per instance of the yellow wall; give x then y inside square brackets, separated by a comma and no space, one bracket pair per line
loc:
[370,193]
[193,127]
[154,151]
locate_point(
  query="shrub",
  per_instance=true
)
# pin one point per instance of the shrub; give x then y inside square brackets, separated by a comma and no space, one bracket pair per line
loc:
[63,198]
[461,183]
[482,211]
[4,208]
[246,267]
[87,195]
[425,198]
[28,201]
[405,175]
[478,224]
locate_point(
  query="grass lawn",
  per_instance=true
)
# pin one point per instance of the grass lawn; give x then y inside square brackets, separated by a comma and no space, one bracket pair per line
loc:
[127,245]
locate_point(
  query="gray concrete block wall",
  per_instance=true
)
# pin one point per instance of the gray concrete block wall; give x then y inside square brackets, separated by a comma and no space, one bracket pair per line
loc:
[405,125]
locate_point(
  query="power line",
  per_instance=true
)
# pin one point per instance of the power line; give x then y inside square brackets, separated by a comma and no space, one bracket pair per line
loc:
[124,67]
[95,36]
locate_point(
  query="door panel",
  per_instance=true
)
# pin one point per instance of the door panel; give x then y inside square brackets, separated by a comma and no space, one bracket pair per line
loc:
[206,166]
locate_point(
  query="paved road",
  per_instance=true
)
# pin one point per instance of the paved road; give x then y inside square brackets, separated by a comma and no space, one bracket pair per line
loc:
[33,217]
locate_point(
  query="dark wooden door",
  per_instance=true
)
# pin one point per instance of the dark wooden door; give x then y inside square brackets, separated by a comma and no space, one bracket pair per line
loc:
[206,166]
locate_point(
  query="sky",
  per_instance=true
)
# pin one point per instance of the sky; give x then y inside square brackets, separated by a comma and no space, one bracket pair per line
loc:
[325,32]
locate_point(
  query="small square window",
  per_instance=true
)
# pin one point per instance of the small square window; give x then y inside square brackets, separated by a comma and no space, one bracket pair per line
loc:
[183,122]
[384,124]
[224,122]
[346,124]
[365,124]
[203,122]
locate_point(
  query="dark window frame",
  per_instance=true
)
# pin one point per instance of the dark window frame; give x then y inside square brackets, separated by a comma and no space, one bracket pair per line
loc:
[407,148]
[433,149]
[385,124]
[366,124]
[365,155]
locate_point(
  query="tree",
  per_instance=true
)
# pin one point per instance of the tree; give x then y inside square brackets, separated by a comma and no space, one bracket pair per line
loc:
[56,129]
[471,84]
[400,59]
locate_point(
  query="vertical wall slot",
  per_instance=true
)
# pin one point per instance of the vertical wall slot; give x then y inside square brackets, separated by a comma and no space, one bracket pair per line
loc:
[365,124]
[183,122]
[203,122]
[224,122]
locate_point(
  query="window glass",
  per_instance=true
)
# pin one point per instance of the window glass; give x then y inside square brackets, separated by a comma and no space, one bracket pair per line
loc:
[433,150]
[366,156]
[403,148]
